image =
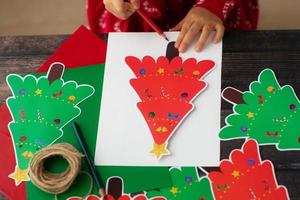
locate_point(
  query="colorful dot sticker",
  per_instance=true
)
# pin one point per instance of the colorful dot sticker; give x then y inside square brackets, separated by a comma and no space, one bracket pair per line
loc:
[142,71]
[271,89]
[250,162]
[22,91]
[244,129]
[184,95]
[196,73]
[56,121]
[293,107]
[151,115]
[23,138]
[71,98]
[188,179]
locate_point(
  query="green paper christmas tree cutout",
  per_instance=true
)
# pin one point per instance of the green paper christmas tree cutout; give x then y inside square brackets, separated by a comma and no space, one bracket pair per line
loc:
[40,108]
[186,185]
[270,114]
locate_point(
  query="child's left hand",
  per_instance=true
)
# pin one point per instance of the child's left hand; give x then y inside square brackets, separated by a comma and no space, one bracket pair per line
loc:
[198,19]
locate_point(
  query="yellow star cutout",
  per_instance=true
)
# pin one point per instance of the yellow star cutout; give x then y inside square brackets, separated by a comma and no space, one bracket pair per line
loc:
[159,150]
[250,114]
[235,174]
[19,175]
[38,92]
[161,71]
[174,190]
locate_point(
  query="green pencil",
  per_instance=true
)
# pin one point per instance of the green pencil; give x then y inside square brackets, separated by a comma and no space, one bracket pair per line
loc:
[88,157]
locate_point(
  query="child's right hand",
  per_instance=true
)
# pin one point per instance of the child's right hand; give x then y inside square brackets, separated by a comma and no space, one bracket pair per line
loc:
[120,8]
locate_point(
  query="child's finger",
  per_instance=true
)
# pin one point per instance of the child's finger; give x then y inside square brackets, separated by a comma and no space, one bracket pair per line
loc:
[189,36]
[219,33]
[203,38]
[119,5]
[125,14]
[135,4]
[185,27]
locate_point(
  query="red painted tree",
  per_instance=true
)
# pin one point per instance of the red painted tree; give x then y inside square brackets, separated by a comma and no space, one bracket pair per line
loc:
[167,86]
[246,176]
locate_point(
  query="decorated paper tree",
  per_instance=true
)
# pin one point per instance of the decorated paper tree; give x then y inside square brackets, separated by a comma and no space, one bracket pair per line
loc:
[268,113]
[167,86]
[186,185]
[40,109]
[246,176]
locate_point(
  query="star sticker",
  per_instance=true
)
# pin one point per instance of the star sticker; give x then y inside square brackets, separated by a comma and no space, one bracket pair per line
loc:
[235,174]
[159,150]
[19,175]
[174,190]
[250,114]
[27,154]
[161,71]
[38,92]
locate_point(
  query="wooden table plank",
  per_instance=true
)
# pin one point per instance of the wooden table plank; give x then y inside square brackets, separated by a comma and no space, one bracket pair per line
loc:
[245,54]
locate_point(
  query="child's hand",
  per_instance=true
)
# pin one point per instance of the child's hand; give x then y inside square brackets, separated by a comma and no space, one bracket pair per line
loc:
[120,8]
[196,20]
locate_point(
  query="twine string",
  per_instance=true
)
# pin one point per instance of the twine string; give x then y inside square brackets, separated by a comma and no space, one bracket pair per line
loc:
[56,183]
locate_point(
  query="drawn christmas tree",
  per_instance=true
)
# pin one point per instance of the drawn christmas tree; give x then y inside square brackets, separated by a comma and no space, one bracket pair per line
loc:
[40,108]
[246,176]
[167,86]
[186,185]
[268,113]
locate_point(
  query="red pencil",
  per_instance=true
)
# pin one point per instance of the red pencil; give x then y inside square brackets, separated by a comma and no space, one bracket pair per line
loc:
[152,24]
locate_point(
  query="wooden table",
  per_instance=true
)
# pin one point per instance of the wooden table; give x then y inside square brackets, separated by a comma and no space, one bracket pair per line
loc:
[245,54]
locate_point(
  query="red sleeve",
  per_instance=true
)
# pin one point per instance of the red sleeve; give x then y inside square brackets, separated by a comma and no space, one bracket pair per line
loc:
[236,14]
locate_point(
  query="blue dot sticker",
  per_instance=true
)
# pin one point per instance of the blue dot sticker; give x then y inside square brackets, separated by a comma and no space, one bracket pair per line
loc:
[22,91]
[250,162]
[188,179]
[142,71]
[244,129]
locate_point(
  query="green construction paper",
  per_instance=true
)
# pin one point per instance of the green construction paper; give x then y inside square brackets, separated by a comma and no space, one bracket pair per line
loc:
[34,125]
[186,185]
[136,179]
[271,114]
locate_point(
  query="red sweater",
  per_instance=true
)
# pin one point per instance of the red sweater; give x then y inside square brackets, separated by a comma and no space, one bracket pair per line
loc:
[236,14]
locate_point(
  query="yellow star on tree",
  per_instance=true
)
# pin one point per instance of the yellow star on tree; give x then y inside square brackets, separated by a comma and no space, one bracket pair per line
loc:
[38,92]
[19,175]
[161,71]
[250,114]
[235,174]
[174,190]
[159,150]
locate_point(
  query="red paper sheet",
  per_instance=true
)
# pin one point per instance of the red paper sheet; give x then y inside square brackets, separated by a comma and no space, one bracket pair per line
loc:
[82,48]
[7,160]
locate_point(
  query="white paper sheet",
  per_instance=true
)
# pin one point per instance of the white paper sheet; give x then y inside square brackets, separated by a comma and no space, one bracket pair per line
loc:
[124,138]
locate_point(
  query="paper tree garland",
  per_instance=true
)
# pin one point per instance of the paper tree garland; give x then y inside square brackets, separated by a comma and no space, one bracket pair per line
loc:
[246,176]
[40,109]
[115,191]
[167,86]
[268,113]
[186,185]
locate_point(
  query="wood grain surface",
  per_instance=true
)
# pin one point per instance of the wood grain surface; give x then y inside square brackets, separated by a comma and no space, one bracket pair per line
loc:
[245,54]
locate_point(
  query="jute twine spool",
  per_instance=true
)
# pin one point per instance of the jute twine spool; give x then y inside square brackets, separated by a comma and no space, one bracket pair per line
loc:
[55,183]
